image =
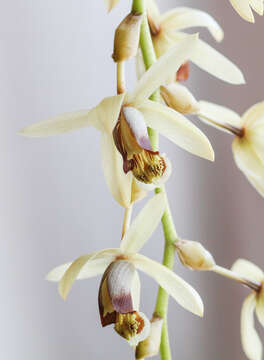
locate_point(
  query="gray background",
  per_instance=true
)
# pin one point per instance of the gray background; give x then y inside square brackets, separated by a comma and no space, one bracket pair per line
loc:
[55,57]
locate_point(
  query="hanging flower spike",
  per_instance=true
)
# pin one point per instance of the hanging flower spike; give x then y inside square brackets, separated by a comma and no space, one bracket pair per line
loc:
[254,303]
[243,7]
[248,145]
[110,4]
[166,31]
[128,115]
[119,289]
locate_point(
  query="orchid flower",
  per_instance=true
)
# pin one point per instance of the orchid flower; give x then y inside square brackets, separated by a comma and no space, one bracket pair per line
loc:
[243,7]
[166,31]
[119,289]
[123,119]
[248,145]
[253,303]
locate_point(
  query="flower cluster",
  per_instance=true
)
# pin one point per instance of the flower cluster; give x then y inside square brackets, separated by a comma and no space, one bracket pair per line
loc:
[133,165]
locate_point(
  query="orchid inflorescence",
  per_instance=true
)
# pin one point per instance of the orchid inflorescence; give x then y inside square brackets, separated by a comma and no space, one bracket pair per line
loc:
[129,123]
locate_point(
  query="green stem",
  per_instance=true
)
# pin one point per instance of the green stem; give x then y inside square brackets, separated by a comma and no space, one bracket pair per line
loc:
[169,231]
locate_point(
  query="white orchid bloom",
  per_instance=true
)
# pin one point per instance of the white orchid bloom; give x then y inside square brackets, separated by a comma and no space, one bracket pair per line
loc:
[253,303]
[127,116]
[248,145]
[244,8]
[119,290]
[166,31]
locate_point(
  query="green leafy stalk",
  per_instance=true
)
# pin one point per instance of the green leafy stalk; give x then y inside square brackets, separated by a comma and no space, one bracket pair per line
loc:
[169,231]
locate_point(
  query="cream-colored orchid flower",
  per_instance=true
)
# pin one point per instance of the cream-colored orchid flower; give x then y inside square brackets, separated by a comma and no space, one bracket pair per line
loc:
[166,31]
[127,116]
[254,303]
[243,7]
[110,4]
[119,289]
[248,145]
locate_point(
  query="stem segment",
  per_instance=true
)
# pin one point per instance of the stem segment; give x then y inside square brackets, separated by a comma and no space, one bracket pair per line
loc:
[169,231]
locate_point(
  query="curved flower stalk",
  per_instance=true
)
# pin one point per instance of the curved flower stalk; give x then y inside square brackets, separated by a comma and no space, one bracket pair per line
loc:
[119,289]
[127,116]
[244,8]
[253,303]
[248,145]
[166,31]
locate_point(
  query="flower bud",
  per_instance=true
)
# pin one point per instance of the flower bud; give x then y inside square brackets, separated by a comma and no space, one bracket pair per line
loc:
[179,98]
[193,255]
[127,37]
[151,345]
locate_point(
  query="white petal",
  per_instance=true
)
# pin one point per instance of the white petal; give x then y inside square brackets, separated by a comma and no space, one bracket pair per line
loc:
[248,161]
[135,291]
[260,307]
[254,115]
[61,124]
[74,270]
[92,268]
[108,112]
[140,66]
[176,287]
[177,128]
[166,65]
[216,64]
[257,184]
[182,18]
[247,269]
[214,114]
[250,340]
[110,4]
[144,224]
[243,9]
[117,181]
[256,137]
[257,5]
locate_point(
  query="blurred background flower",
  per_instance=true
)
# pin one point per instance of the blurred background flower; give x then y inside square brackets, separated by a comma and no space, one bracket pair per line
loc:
[54,201]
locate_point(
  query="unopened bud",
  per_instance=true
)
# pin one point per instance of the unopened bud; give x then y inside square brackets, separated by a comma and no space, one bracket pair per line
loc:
[179,98]
[193,255]
[151,345]
[127,37]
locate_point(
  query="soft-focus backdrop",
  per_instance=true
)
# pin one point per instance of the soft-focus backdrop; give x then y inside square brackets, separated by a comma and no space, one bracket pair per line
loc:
[56,57]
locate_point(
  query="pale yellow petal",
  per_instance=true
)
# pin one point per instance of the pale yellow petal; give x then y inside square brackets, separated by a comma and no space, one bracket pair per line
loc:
[216,64]
[248,161]
[214,114]
[110,4]
[247,269]
[176,287]
[108,112]
[177,128]
[144,224]
[243,9]
[182,18]
[75,268]
[260,307]
[90,269]
[257,5]
[62,124]
[254,115]
[256,137]
[166,65]
[250,340]
[117,181]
